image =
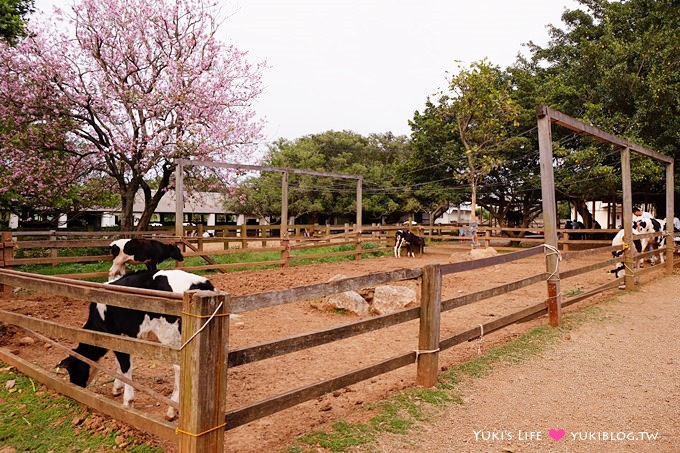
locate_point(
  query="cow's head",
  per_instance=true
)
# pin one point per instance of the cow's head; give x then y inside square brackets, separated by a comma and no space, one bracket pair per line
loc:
[78,371]
[639,226]
[176,253]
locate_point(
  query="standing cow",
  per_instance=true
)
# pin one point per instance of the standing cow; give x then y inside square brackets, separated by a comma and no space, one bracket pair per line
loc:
[147,251]
[136,324]
[412,242]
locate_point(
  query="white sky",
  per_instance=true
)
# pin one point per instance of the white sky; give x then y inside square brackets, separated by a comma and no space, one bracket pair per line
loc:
[368,65]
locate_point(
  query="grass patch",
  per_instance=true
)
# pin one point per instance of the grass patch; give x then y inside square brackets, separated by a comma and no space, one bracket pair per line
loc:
[34,419]
[340,438]
[400,413]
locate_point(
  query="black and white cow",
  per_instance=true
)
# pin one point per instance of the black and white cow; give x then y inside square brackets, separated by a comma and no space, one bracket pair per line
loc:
[147,251]
[651,225]
[619,271]
[413,243]
[134,323]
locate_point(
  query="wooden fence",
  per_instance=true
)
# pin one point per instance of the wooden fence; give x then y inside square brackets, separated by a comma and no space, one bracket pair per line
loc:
[204,416]
[54,247]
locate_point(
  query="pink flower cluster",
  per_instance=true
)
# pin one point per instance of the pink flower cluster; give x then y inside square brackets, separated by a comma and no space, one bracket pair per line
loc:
[121,87]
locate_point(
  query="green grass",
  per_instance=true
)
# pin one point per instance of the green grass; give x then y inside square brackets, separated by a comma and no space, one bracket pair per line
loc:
[34,419]
[399,414]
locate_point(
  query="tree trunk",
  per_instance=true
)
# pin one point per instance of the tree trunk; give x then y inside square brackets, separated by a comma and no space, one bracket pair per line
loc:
[127,201]
[582,208]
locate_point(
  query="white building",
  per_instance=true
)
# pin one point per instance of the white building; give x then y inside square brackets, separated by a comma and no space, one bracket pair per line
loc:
[456,214]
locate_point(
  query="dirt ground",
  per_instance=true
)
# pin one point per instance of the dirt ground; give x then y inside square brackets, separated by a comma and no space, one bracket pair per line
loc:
[254,382]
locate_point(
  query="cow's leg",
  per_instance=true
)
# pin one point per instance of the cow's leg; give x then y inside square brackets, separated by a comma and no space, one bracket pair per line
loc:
[172,413]
[397,247]
[125,366]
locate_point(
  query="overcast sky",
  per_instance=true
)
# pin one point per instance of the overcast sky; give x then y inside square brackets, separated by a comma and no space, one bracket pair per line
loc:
[368,65]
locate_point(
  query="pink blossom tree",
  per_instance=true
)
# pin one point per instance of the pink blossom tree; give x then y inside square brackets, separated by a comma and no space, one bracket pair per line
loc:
[120,90]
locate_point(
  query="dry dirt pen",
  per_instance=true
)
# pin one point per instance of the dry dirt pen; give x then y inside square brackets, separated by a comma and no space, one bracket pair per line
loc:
[289,366]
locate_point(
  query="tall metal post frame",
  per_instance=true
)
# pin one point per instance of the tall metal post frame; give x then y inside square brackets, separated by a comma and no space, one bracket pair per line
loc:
[179,187]
[546,117]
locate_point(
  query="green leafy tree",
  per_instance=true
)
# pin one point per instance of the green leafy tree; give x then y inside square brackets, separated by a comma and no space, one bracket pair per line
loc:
[468,134]
[481,110]
[318,198]
[615,65]
[13,16]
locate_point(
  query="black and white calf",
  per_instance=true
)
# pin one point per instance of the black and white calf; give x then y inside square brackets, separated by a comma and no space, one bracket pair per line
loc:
[134,323]
[619,271]
[147,251]
[412,242]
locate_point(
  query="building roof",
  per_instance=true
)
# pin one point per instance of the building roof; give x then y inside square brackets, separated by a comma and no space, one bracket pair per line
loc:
[195,203]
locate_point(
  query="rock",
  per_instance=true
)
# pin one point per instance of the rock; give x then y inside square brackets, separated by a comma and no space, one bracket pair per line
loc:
[26,341]
[473,254]
[391,298]
[476,254]
[237,321]
[348,300]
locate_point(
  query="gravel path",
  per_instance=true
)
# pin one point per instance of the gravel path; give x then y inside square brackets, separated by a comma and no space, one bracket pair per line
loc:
[611,384]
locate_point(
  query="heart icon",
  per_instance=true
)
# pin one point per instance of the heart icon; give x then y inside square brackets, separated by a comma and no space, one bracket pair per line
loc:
[556,434]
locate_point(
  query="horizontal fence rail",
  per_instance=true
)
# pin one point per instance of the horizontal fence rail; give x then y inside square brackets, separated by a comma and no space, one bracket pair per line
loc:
[235,243]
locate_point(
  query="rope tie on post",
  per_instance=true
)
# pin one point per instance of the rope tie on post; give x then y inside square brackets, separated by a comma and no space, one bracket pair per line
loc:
[179,431]
[210,318]
[425,351]
[554,251]
[479,343]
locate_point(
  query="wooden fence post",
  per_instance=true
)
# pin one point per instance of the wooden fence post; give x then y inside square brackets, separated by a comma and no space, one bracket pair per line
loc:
[53,250]
[6,256]
[670,214]
[7,249]
[357,246]
[427,356]
[199,237]
[550,219]
[203,376]
[244,234]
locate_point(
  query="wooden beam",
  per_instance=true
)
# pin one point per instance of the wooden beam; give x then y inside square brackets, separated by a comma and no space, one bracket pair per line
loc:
[491,261]
[467,299]
[550,219]
[578,126]
[278,403]
[359,204]
[140,299]
[143,348]
[670,214]
[297,171]
[283,232]
[276,348]
[628,252]
[240,304]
